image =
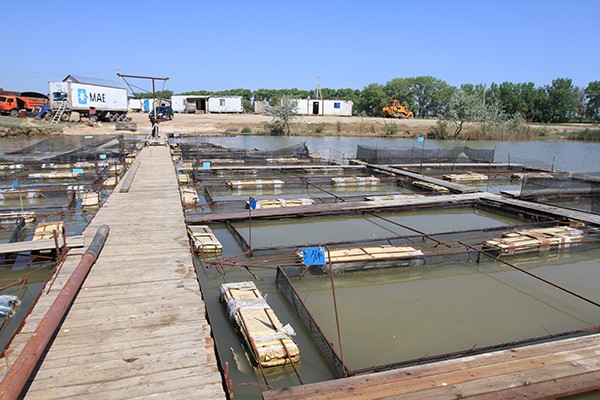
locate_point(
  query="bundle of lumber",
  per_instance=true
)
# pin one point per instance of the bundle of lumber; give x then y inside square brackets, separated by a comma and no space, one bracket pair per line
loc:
[355,181]
[534,240]
[466,177]
[255,183]
[282,203]
[204,240]
[431,187]
[269,342]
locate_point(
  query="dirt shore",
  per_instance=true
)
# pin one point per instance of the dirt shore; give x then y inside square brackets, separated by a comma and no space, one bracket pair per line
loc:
[236,124]
[218,124]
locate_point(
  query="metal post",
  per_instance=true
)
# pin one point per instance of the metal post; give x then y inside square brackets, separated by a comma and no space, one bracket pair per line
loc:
[337,318]
[249,228]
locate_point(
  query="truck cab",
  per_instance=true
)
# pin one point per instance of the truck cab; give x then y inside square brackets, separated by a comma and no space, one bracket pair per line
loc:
[11,105]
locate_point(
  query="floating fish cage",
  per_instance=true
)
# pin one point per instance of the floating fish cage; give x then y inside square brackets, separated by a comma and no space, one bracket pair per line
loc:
[204,241]
[269,342]
[534,240]
[365,258]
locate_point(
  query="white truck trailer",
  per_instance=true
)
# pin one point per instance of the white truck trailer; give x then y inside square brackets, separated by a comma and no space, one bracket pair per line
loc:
[105,102]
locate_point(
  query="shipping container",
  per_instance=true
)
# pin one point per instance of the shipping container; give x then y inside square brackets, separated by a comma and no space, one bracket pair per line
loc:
[107,103]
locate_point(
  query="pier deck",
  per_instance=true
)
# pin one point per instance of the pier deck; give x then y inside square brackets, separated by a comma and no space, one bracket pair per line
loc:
[542,371]
[137,328]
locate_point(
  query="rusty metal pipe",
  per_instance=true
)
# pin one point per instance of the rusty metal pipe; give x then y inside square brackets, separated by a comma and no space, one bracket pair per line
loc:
[17,376]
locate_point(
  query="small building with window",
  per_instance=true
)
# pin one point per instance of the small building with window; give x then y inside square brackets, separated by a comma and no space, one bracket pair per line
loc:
[194,104]
[324,107]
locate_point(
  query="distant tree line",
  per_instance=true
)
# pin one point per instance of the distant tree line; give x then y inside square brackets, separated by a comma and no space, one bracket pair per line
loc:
[429,97]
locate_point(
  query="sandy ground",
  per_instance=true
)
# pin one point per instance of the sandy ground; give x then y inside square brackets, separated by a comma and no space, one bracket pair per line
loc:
[218,124]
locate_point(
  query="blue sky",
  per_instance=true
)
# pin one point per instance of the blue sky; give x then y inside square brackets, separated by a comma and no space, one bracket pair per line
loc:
[216,45]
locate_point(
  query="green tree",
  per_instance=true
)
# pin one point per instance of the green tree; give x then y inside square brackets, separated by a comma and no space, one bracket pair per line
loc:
[400,89]
[282,115]
[562,100]
[161,94]
[430,95]
[371,100]
[592,94]
[470,107]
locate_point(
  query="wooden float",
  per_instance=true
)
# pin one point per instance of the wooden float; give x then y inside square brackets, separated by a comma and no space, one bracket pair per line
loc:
[129,159]
[45,230]
[534,240]
[204,240]
[89,199]
[255,183]
[183,179]
[11,166]
[394,197]
[370,257]
[280,203]
[189,197]
[80,164]
[268,340]
[11,217]
[466,177]
[530,175]
[355,181]
[8,194]
[431,187]
[53,175]
[110,182]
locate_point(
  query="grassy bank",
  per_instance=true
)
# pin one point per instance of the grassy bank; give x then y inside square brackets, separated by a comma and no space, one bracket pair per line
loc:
[10,126]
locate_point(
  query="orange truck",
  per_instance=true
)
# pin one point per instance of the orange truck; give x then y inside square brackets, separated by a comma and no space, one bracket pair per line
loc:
[12,104]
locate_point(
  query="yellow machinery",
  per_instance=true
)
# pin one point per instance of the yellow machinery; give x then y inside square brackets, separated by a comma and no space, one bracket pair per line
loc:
[393,109]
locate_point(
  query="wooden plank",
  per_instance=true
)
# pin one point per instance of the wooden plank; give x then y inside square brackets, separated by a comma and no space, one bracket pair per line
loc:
[454,187]
[129,177]
[488,368]
[38,245]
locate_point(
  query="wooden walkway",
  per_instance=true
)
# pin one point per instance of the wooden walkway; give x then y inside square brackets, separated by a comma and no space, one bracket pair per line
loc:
[557,212]
[335,208]
[137,329]
[543,371]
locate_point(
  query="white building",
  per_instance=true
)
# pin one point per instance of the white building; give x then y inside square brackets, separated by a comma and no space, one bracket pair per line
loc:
[324,107]
[225,104]
[206,104]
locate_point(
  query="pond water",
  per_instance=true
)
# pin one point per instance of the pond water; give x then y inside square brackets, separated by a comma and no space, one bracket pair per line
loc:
[389,315]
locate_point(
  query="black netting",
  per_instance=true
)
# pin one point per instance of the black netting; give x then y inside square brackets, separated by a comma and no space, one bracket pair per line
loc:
[70,149]
[213,151]
[459,154]
[285,286]
[583,189]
